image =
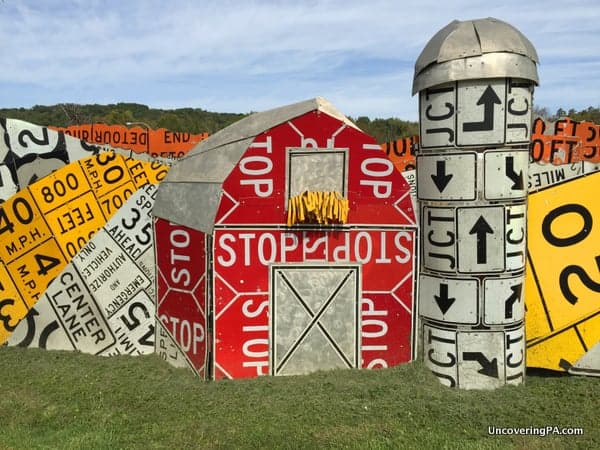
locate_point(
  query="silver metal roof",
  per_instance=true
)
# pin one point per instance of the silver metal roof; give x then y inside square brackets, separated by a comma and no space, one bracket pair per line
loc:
[480,48]
[190,193]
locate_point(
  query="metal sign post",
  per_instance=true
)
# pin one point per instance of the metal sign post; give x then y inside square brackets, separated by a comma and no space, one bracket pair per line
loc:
[475,81]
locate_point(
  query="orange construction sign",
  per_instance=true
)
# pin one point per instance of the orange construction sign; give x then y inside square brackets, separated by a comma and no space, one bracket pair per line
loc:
[565,141]
[402,152]
[158,143]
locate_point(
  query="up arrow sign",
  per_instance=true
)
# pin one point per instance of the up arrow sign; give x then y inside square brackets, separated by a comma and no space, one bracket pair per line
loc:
[480,229]
[488,99]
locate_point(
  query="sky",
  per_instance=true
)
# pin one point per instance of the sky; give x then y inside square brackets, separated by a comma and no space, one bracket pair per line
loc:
[244,56]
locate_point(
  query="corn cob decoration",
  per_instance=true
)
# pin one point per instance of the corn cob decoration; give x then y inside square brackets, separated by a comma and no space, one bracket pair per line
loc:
[324,208]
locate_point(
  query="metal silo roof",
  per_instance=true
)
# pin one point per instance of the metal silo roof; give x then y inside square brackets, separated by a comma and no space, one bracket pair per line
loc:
[480,48]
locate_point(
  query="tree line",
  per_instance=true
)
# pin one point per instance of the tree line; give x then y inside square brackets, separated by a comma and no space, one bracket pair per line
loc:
[197,120]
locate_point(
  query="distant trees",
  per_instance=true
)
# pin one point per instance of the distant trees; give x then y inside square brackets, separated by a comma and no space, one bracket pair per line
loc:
[196,120]
[387,130]
[591,114]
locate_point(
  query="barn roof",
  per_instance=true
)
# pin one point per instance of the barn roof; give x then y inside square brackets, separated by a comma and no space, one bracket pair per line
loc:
[197,178]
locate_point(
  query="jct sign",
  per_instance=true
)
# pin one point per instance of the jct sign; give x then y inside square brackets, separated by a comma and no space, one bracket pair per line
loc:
[475,81]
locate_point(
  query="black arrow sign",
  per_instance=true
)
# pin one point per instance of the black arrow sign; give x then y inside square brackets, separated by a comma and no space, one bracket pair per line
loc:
[443,301]
[516,178]
[487,99]
[510,301]
[489,368]
[440,178]
[481,228]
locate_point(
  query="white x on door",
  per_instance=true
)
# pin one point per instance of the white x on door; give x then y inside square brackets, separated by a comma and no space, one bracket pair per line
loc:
[314,318]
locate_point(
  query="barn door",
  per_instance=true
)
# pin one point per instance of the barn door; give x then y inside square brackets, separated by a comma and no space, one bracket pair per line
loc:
[314,318]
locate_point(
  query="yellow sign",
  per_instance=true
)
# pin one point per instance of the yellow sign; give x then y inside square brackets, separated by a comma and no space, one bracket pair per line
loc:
[44,225]
[563,274]
[562,349]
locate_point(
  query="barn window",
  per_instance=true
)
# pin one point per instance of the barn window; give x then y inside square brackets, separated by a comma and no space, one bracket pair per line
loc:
[316,187]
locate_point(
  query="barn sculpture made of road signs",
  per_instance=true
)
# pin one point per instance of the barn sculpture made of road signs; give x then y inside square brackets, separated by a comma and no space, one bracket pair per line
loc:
[285,244]
[561,319]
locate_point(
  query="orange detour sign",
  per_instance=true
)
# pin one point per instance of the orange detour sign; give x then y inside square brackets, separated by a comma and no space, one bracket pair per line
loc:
[161,142]
[402,152]
[565,141]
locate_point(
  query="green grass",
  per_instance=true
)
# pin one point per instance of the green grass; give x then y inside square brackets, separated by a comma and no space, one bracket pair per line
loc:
[71,400]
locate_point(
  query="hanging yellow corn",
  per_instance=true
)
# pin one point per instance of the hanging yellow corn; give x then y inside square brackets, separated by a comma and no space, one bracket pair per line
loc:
[322,208]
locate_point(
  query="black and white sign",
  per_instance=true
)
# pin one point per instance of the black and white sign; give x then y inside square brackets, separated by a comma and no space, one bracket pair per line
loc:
[475,359]
[439,239]
[439,353]
[437,107]
[447,176]
[480,118]
[516,233]
[449,299]
[481,362]
[476,113]
[542,175]
[503,300]
[480,245]
[505,174]
[518,111]
[515,355]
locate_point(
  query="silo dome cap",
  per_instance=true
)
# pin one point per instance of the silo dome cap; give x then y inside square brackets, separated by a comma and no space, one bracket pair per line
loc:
[480,48]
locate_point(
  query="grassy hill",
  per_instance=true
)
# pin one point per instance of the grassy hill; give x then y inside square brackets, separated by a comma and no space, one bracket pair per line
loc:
[70,400]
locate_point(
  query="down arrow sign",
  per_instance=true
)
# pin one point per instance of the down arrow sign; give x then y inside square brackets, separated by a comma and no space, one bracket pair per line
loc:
[516,178]
[440,178]
[488,368]
[443,301]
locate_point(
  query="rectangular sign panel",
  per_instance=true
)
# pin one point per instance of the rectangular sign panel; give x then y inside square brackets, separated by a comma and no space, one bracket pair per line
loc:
[475,359]
[446,299]
[447,176]
[315,318]
[437,108]
[481,117]
[505,174]
[481,240]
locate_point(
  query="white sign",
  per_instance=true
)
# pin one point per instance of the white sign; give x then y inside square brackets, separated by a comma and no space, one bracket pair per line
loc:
[542,175]
[437,108]
[516,233]
[518,111]
[447,176]
[503,300]
[481,362]
[439,239]
[480,244]
[505,174]
[475,359]
[481,117]
[439,353]
[515,355]
[476,112]
[453,300]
